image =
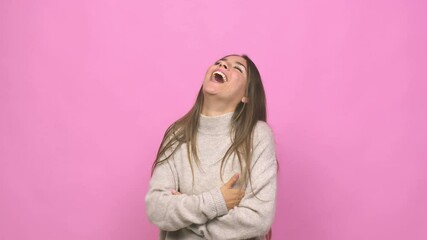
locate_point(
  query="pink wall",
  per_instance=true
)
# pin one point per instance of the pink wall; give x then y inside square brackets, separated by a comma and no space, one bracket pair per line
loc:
[88,87]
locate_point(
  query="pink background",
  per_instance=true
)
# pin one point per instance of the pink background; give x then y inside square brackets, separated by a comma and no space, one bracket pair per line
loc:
[88,87]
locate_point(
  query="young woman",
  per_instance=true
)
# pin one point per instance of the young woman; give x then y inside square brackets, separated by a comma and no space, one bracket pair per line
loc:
[215,172]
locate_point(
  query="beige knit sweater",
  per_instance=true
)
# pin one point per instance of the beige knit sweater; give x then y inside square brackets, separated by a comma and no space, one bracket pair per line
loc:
[200,212]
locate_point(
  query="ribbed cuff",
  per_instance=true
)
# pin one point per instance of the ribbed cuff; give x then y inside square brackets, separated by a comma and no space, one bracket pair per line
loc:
[219,202]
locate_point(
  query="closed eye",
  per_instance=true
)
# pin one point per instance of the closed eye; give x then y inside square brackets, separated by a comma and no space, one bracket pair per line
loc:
[240,70]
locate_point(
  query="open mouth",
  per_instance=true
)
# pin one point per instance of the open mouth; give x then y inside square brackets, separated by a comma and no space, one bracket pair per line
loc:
[219,77]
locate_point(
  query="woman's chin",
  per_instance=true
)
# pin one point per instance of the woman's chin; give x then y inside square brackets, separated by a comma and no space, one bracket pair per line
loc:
[211,90]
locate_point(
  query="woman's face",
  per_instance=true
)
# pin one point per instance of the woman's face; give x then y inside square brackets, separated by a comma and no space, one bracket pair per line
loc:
[226,80]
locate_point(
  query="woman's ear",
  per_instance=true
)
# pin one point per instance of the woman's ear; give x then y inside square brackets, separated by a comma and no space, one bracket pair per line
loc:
[244,100]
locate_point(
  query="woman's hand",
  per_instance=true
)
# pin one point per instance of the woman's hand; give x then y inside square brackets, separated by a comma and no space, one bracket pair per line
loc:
[232,196]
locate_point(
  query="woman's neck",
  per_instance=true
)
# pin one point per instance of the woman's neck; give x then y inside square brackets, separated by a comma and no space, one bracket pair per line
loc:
[216,108]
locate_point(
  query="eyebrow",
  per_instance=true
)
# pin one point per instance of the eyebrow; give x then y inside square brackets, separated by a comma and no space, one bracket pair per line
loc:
[239,63]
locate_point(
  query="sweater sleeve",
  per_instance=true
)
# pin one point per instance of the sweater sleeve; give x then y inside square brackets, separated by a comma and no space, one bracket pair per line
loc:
[255,213]
[172,212]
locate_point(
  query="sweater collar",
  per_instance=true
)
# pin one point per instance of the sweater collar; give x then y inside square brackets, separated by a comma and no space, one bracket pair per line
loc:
[215,124]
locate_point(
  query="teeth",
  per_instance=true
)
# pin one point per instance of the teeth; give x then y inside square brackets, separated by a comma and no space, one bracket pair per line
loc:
[222,75]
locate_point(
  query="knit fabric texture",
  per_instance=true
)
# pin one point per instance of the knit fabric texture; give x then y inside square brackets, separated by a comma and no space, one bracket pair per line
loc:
[200,211]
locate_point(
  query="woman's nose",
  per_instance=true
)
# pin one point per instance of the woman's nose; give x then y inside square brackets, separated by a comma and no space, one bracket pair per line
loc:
[223,65]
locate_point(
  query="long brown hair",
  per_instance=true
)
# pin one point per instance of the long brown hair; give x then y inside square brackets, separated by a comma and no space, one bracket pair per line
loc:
[244,119]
